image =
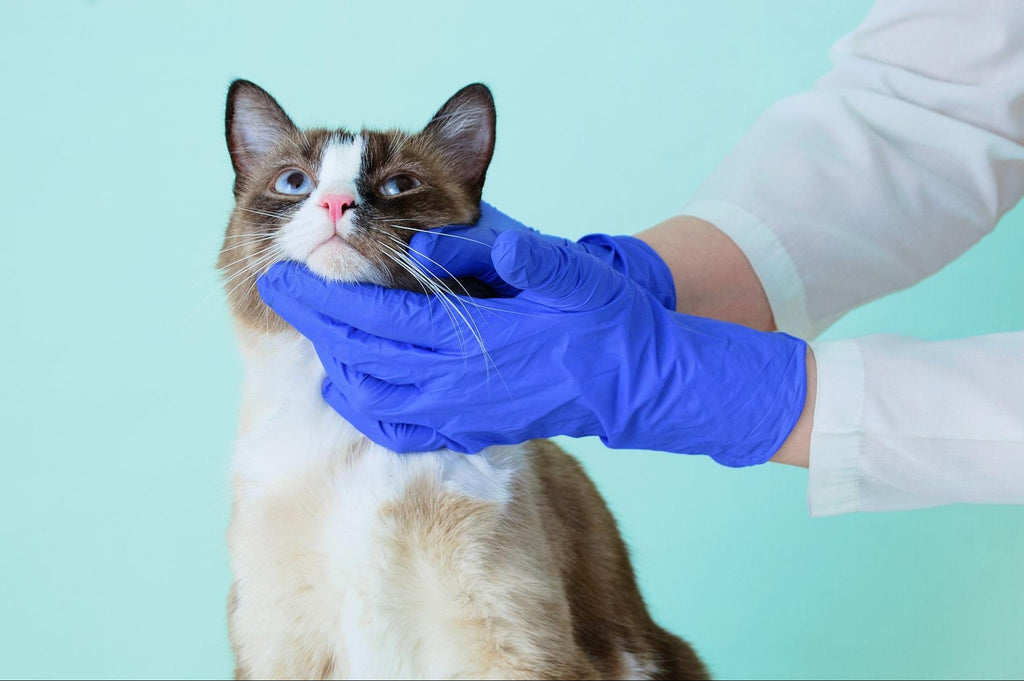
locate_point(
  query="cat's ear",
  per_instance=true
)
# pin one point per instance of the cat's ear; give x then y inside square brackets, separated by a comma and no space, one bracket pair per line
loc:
[254,123]
[464,131]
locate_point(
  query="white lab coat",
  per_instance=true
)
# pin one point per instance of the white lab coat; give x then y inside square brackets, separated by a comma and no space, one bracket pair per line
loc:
[897,161]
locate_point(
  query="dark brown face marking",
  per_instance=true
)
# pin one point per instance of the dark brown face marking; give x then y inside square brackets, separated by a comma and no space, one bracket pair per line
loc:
[447,162]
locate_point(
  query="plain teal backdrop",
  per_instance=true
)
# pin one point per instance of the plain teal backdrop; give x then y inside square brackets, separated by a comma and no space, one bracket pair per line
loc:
[120,378]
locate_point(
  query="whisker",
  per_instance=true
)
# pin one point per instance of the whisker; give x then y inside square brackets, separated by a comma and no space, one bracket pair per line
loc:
[464,313]
[255,223]
[246,243]
[243,276]
[274,250]
[403,262]
[470,300]
[423,255]
[431,231]
[263,259]
[245,257]
[430,286]
[260,263]
[488,360]
[248,235]
[379,261]
[263,212]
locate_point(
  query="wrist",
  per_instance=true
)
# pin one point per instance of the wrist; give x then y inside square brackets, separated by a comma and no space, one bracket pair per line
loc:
[728,391]
[771,401]
[795,451]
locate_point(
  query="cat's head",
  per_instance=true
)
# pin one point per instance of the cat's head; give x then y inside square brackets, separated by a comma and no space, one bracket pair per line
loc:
[344,203]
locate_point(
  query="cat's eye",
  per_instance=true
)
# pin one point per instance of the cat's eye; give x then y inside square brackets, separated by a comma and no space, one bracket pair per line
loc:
[393,186]
[294,182]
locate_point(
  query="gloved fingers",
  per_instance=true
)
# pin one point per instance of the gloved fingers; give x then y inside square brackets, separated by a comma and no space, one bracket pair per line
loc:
[465,251]
[563,277]
[338,343]
[500,222]
[373,396]
[454,251]
[395,314]
[396,436]
[307,321]
[388,360]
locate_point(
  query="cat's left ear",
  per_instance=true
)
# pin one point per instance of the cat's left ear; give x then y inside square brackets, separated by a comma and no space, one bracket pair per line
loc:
[464,130]
[254,124]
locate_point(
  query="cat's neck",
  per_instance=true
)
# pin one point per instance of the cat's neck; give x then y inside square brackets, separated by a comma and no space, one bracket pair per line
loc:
[287,428]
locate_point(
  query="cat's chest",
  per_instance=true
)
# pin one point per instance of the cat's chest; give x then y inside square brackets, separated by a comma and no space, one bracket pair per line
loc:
[326,526]
[358,565]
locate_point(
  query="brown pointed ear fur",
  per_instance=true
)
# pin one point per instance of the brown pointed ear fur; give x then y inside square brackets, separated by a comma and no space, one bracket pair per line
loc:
[464,130]
[254,123]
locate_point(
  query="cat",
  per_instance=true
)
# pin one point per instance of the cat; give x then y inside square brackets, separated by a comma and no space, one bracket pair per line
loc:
[351,561]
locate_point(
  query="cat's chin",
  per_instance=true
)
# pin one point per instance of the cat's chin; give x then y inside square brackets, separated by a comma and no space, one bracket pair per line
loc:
[337,261]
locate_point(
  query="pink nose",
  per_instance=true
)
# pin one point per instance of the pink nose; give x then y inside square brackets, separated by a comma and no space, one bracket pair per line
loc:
[337,204]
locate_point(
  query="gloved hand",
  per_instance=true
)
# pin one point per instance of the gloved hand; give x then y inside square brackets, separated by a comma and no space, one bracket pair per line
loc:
[465,251]
[581,350]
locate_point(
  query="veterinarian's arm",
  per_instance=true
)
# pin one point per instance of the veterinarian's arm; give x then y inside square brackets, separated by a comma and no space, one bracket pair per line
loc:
[898,160]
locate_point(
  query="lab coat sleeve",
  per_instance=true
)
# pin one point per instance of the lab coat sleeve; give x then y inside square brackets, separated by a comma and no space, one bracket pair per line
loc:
[898,160]
[901,423]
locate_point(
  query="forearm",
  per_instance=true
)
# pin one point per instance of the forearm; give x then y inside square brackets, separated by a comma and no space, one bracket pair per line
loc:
[713,277]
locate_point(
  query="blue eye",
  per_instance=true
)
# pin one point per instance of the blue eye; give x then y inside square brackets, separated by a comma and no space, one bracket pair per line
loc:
[293,182]
[393,186]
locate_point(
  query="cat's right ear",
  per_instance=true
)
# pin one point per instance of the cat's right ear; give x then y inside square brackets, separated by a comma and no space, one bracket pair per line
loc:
[254,123]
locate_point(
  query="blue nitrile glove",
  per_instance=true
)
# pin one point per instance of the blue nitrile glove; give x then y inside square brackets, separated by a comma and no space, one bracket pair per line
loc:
[465,251]
[582,350]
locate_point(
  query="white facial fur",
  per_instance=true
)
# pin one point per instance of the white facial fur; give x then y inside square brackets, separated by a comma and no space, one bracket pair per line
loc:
[308,237]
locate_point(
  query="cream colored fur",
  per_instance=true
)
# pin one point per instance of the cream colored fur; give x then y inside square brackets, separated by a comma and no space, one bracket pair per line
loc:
[355,562]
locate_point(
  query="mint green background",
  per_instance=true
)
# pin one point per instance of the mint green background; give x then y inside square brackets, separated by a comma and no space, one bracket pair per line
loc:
[120,377]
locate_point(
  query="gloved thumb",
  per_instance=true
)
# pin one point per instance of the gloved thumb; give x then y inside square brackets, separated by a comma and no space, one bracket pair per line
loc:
[558,275]
[453,251]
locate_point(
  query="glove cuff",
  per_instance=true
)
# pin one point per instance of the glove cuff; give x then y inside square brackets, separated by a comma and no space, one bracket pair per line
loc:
[638,261]
[782,408]
[752,401]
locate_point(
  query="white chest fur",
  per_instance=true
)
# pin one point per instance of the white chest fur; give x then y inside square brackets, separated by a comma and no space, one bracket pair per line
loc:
[328,576]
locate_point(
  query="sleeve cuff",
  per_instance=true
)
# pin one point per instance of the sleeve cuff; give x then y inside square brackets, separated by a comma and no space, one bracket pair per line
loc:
[770,260]
[837,434]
